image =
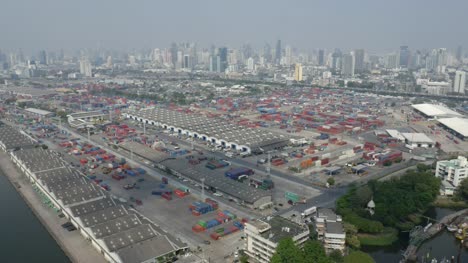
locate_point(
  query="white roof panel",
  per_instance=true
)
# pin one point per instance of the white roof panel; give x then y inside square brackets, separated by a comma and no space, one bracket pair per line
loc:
[433,110]
[417,137]
[459,125]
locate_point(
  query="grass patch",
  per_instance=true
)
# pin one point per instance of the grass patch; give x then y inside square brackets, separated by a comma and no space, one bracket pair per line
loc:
[448,202]
[387,237]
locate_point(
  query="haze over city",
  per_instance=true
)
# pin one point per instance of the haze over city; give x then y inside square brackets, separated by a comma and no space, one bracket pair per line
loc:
[374,25]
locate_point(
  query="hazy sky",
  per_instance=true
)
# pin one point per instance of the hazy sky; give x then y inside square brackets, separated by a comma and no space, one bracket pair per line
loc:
[307,24]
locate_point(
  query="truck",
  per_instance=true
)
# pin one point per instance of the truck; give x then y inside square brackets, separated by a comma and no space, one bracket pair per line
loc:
[309,211]
[323,136]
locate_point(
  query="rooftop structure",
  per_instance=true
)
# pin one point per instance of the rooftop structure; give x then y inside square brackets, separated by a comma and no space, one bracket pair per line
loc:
[418,140]
[435,111]
[457,126]
[39,112]
[452,171]
[10,138]
[250,196]
[214,130]
[82,119]
[118,234]
[264,235]
[329,229]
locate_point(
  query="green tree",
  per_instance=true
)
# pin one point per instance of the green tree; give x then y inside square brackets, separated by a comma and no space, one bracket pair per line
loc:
[462,190]
[314,252]
[244,259]
[331,181]
[336,256]
[358,257]
[287,252]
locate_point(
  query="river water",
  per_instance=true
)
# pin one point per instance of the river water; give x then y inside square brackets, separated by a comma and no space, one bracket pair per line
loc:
[444,245]
[24,239]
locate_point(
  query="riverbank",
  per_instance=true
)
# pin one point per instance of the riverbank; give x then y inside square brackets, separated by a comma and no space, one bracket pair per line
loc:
[447,202]
[386,238]
[73,244]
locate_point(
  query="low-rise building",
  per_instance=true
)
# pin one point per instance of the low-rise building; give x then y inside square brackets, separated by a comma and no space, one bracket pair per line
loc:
[264,235]
[83,119]
[418,140]
[452,173]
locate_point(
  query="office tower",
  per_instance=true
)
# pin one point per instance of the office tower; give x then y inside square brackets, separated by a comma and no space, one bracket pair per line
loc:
[321,57]
[85,67]
[267,53]
[459,82]
[250,64]
[109,62]
[348,65]
[288,55]
[336,59]
[392,61]
[222,59]
[404,56]
[278,52]
[43,57]
[459,54]
[359,60]
[174,55]
[187,62]
[213,64]
[298,72]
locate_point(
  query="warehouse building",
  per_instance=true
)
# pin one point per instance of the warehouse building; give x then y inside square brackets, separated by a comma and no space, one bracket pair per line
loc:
[11,139]
[118,234]
[213,130]
[432,111]
[418,140]
[83,119]
[39,112]
[263,236]
[456,126]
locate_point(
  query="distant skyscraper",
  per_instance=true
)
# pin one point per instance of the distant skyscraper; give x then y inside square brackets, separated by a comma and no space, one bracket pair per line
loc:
[109,62]
[278,52]
[459,54]
[321,57]
[187,62]
[336,59]
[298,72]
[43,57]
[250,64]
[267,53]
[459,82]
[288,55]
[359,60]
[85,67]
[347,67]
[404,56]
[222,59]
[174,54]
[392,61]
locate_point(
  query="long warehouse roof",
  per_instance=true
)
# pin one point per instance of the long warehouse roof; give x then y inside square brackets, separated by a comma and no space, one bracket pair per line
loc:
[459,125]
[433,110]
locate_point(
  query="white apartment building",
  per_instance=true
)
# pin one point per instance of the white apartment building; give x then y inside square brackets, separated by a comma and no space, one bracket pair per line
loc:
[263,236]
[452,173]
[329,229]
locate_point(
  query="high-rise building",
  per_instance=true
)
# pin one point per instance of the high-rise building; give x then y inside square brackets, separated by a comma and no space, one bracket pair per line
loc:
[392,61]
[321,57]
[43,57]
[267,53]
[278,52]
[187,62]
[459,54]
[222,59]
[298,72]
[359,60]
[250,64]
[336,59]
[288,55]
[85,68]
[404,56]
[348,64]
[459,82]
[174,54]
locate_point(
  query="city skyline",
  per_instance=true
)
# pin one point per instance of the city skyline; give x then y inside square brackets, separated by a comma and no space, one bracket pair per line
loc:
[305,25]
